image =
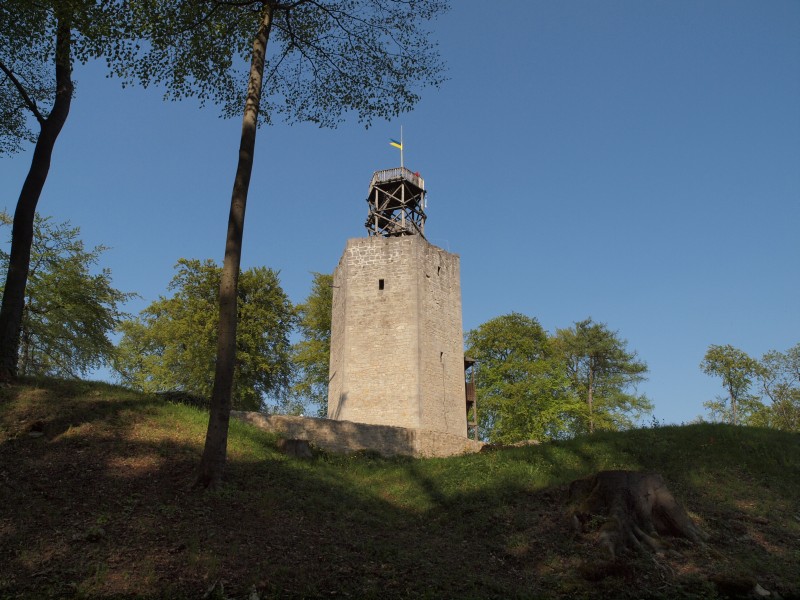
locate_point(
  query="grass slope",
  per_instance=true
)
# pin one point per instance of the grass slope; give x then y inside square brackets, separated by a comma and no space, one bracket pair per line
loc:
[98,506]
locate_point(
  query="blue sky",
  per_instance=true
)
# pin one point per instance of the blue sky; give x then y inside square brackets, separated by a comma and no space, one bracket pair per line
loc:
[634,161]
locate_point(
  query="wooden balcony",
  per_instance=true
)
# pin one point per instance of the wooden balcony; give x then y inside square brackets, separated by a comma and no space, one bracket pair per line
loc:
[398,174]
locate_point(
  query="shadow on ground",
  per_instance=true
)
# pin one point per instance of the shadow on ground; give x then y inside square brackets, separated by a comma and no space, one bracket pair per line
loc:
[100,506]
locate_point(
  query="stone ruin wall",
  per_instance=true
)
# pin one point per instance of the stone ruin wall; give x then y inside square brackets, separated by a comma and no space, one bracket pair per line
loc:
[346,437]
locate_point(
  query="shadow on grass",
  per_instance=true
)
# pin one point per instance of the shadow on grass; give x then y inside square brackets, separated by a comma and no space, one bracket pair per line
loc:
[99,507]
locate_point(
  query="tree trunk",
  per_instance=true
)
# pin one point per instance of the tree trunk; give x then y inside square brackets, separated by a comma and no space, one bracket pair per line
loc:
[590,401]
[212,464]
[22,228]
[629,510]
[25,340]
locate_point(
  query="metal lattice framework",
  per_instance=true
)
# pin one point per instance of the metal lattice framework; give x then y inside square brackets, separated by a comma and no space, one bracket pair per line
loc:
[396,203]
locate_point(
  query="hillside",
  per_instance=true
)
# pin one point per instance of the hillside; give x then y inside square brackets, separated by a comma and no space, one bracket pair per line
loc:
[94,490]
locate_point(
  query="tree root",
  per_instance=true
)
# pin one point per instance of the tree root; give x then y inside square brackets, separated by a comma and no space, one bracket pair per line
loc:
[631,510]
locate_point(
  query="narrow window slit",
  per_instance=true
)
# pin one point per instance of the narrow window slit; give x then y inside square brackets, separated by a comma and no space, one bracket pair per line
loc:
[380,284]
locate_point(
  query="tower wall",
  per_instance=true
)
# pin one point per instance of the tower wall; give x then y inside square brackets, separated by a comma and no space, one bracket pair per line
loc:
[441,340]
[396,347]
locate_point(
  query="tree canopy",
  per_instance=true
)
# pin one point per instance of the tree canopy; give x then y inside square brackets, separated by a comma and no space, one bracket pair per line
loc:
[737,371]
[603,373]
[523,390]
[328,58]
[779,376]
[312,353]
[170,346]
[36,38]
[762,392]
[70,311]
[535,386]
[27,58]
[38,43]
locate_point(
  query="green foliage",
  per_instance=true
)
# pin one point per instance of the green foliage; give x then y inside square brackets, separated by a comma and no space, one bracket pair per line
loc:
[775,402]
[327,58]
[27,43]
[311,354]
[523,391]
[532,386]
[737,371]
[602,372]
[779,377]
[172,344]
[14,125]
[69,311]
[27,56]
[39,40]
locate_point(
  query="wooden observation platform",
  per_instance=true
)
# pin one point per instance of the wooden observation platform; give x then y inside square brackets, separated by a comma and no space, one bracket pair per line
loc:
[396,203]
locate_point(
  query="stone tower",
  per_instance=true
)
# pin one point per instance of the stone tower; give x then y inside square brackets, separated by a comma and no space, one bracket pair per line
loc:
[397,354]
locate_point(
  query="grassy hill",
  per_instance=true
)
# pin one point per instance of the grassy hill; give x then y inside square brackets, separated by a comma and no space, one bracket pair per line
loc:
[95,503]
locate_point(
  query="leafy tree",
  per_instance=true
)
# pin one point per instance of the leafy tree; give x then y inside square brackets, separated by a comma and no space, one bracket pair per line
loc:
[761,393]
[523,391]
[331,58]
[14,128]
[779,376]
[69,312]
[737,371]
[38,43]
[312,354]
[170,346]
[601,371]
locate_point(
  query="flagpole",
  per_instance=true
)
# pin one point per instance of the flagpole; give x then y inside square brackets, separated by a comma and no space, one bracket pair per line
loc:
[401,147]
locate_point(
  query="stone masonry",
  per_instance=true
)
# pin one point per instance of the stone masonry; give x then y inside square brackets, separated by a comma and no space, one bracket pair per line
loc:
[345,437]
[397,353]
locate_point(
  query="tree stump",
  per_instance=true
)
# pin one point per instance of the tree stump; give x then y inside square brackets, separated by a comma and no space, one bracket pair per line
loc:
[631,509]
[295,448]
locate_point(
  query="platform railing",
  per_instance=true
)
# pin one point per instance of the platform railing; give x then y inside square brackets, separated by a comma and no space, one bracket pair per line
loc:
[398,173]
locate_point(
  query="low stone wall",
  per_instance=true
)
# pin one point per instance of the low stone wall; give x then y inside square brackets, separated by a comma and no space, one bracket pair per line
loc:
[345,436]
